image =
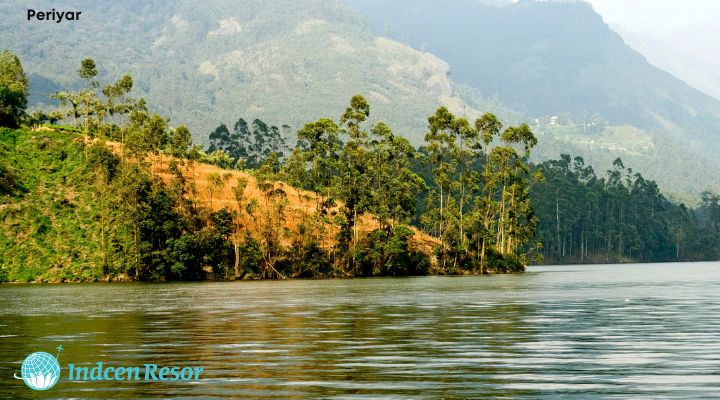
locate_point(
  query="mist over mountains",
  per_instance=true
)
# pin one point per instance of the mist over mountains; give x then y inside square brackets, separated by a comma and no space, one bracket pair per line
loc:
[701,73]
[542,58]
[557,66]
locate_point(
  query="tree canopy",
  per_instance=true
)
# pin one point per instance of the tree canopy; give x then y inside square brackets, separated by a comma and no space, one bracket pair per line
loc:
[13,89]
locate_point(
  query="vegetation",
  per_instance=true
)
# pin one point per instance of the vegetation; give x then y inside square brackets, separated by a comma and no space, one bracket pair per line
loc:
[222,61]
[121,194]
[248,145]
[13,89]
[619,218]
[559,58]
[291,61]
[144,227]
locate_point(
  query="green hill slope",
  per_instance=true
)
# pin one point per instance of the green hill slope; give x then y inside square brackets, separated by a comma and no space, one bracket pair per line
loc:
[284,62]
[49,225]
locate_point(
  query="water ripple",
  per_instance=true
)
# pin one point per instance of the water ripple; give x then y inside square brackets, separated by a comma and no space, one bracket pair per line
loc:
[556,332]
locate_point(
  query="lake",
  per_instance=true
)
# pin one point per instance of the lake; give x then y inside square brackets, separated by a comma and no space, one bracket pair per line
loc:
[650,331]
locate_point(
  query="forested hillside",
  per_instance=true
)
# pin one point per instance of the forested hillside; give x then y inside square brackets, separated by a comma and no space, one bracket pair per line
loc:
[141,207]
[619,216]
[121,194]
[282,61]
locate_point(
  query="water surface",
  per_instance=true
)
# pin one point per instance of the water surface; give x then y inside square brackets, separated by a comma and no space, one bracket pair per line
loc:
[649,331]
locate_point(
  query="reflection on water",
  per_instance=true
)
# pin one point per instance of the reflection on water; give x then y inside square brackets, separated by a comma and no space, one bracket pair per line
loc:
[632,330]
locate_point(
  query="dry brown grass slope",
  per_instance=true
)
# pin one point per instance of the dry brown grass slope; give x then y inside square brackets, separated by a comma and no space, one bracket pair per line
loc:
[301,204]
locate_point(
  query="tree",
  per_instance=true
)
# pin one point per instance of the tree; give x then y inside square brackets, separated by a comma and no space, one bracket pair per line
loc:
[180,142]
[220,158]
[353,185]
[215,184]
[68,105]
[146,133]
[88,97]
[710,204]
[103,166]
[37,118]
[272,231]
[393,185]
[118,102]
[441,142]
[116,93]
[249,145]
[321,151]
[88,71]
[239,224]
[156,133]
[132,189]
[507,182]
[219,139]
[13,90]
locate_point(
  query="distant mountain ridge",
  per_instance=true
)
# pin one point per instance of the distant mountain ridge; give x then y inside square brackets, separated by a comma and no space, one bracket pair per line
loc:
[540,58]
[702,74]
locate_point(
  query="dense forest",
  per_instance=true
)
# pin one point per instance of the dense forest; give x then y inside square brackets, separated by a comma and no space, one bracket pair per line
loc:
[620,217]
[117,193]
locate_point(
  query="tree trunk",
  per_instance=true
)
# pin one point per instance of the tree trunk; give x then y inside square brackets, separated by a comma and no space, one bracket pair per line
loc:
[137,252]
[462,197]
[501,230]
[557,222]
[236,245]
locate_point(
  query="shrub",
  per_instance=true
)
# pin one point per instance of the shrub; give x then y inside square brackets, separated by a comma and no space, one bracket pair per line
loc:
[497,263]
[386,254]
[306,261]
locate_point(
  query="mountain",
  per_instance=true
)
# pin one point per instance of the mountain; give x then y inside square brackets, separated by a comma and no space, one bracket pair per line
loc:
[560,59]
[285,62]
[700,73]
[541,58]
[290,62]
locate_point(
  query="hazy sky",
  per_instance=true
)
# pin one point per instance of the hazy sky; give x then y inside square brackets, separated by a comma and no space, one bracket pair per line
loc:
[692,26]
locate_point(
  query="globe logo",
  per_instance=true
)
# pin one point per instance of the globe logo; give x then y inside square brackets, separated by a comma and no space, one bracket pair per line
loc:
[40,371]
